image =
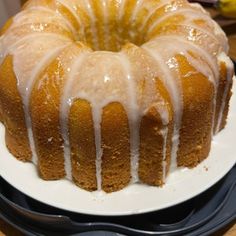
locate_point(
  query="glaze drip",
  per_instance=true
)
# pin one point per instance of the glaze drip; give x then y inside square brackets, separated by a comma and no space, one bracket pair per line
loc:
[133,116]
[174,90]
[136,58]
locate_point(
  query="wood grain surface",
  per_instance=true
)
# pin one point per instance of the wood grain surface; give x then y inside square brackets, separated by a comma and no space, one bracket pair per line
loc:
[229,26]
[7,230]
[230,230]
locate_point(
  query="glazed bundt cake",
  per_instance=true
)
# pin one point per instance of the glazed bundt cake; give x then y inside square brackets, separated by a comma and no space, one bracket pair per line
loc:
[112,92]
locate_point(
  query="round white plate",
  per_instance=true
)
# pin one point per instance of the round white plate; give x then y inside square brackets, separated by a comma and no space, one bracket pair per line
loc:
[181,185]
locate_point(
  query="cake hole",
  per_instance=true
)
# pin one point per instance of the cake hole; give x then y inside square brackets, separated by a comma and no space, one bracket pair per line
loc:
[112,36]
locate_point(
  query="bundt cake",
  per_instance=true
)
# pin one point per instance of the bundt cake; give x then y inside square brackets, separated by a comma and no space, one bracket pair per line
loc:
[112,92]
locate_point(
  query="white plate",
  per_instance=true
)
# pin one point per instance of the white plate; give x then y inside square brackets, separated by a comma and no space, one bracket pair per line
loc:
[181,185]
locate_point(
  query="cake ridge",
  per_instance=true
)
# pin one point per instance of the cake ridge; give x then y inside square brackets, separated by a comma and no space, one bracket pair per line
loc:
[65,105]
[134,118]
[230,73]
[43,8]
[152,12]
[146,81]
[176,96]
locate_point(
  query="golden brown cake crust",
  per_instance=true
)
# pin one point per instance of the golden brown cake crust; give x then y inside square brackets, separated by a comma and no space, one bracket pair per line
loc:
[12,114]
[114,93]
[82,145]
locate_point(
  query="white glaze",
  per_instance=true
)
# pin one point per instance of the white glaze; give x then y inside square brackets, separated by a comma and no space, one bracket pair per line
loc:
[93,27]
[65,104]
[106,24]
[113,74]
[121,9]
[191,15]
[209,70]
[174,90]
[152,11]
[41,15]
[134,117]
[51,12]
[136,10]
[77,17]
[1,50]
[82,89]
[185,45]
[26,69]
[97,119]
